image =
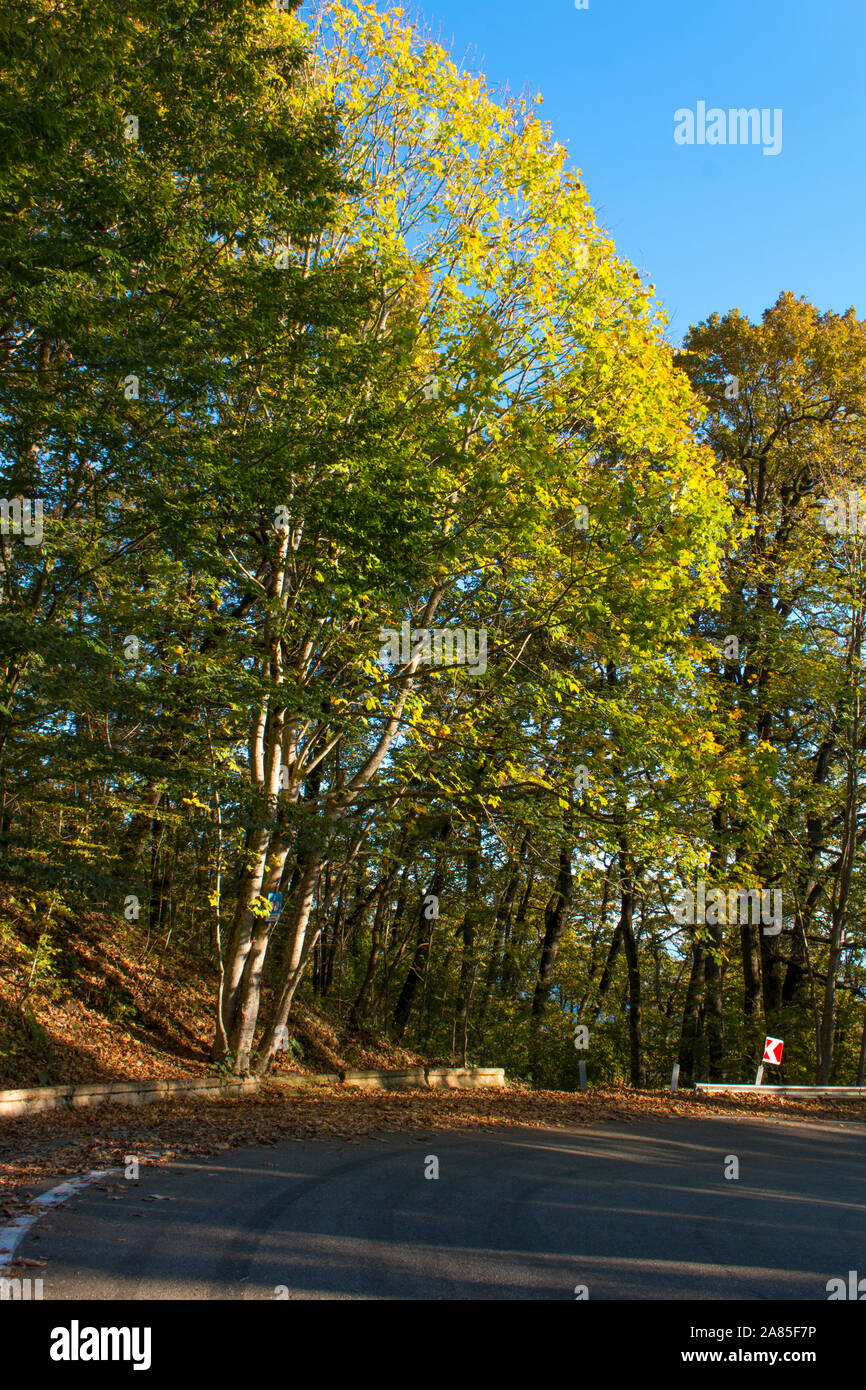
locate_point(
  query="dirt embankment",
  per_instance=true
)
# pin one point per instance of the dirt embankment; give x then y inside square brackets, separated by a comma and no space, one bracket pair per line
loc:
[85,996]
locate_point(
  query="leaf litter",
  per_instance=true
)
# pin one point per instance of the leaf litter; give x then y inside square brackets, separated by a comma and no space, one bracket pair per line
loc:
[58,1144]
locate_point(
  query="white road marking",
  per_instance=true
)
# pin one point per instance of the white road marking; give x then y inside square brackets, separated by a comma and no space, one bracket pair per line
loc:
[12,1235]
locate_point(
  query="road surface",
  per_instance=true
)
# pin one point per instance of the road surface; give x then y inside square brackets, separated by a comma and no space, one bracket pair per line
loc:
[630,1211]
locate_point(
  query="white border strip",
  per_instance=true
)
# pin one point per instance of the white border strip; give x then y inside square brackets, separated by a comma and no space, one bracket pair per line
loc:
[12,1235]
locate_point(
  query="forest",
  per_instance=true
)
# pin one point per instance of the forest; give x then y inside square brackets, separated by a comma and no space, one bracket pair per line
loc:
[390,615]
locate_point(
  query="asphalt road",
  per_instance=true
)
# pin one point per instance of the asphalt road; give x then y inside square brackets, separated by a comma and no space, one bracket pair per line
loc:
[638,1211]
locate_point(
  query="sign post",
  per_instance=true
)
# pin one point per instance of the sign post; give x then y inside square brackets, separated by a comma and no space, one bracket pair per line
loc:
[773,1048]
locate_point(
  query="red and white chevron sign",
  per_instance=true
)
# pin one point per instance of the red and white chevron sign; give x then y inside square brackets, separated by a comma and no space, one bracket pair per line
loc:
[773,1050]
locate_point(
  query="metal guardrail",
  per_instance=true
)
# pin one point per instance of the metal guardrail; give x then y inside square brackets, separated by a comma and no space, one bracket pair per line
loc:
[841,1091]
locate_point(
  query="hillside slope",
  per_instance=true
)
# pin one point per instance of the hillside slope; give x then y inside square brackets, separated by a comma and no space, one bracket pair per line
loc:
[88,997]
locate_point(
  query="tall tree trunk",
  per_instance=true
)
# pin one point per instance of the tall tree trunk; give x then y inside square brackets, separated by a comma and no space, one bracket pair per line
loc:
[809,889]
[772,976]
[861,1067]
[555,915]
[714,1015]
[691,1025]
[297,953]
[467,960]
[244,930]
[424,932]
[596,934]
[749,954]
[337,937]
[500,930]
[634,985]
[842,888]
[514,939]
[828,1013]
[383,888]
[609,966]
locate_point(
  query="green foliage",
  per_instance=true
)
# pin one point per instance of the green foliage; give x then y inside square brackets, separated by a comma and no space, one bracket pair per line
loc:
[218,338]
[45,976]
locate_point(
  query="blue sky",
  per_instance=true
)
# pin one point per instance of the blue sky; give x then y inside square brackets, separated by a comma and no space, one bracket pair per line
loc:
[715,227]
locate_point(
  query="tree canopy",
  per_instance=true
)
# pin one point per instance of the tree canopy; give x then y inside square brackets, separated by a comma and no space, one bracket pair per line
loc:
[409,624]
